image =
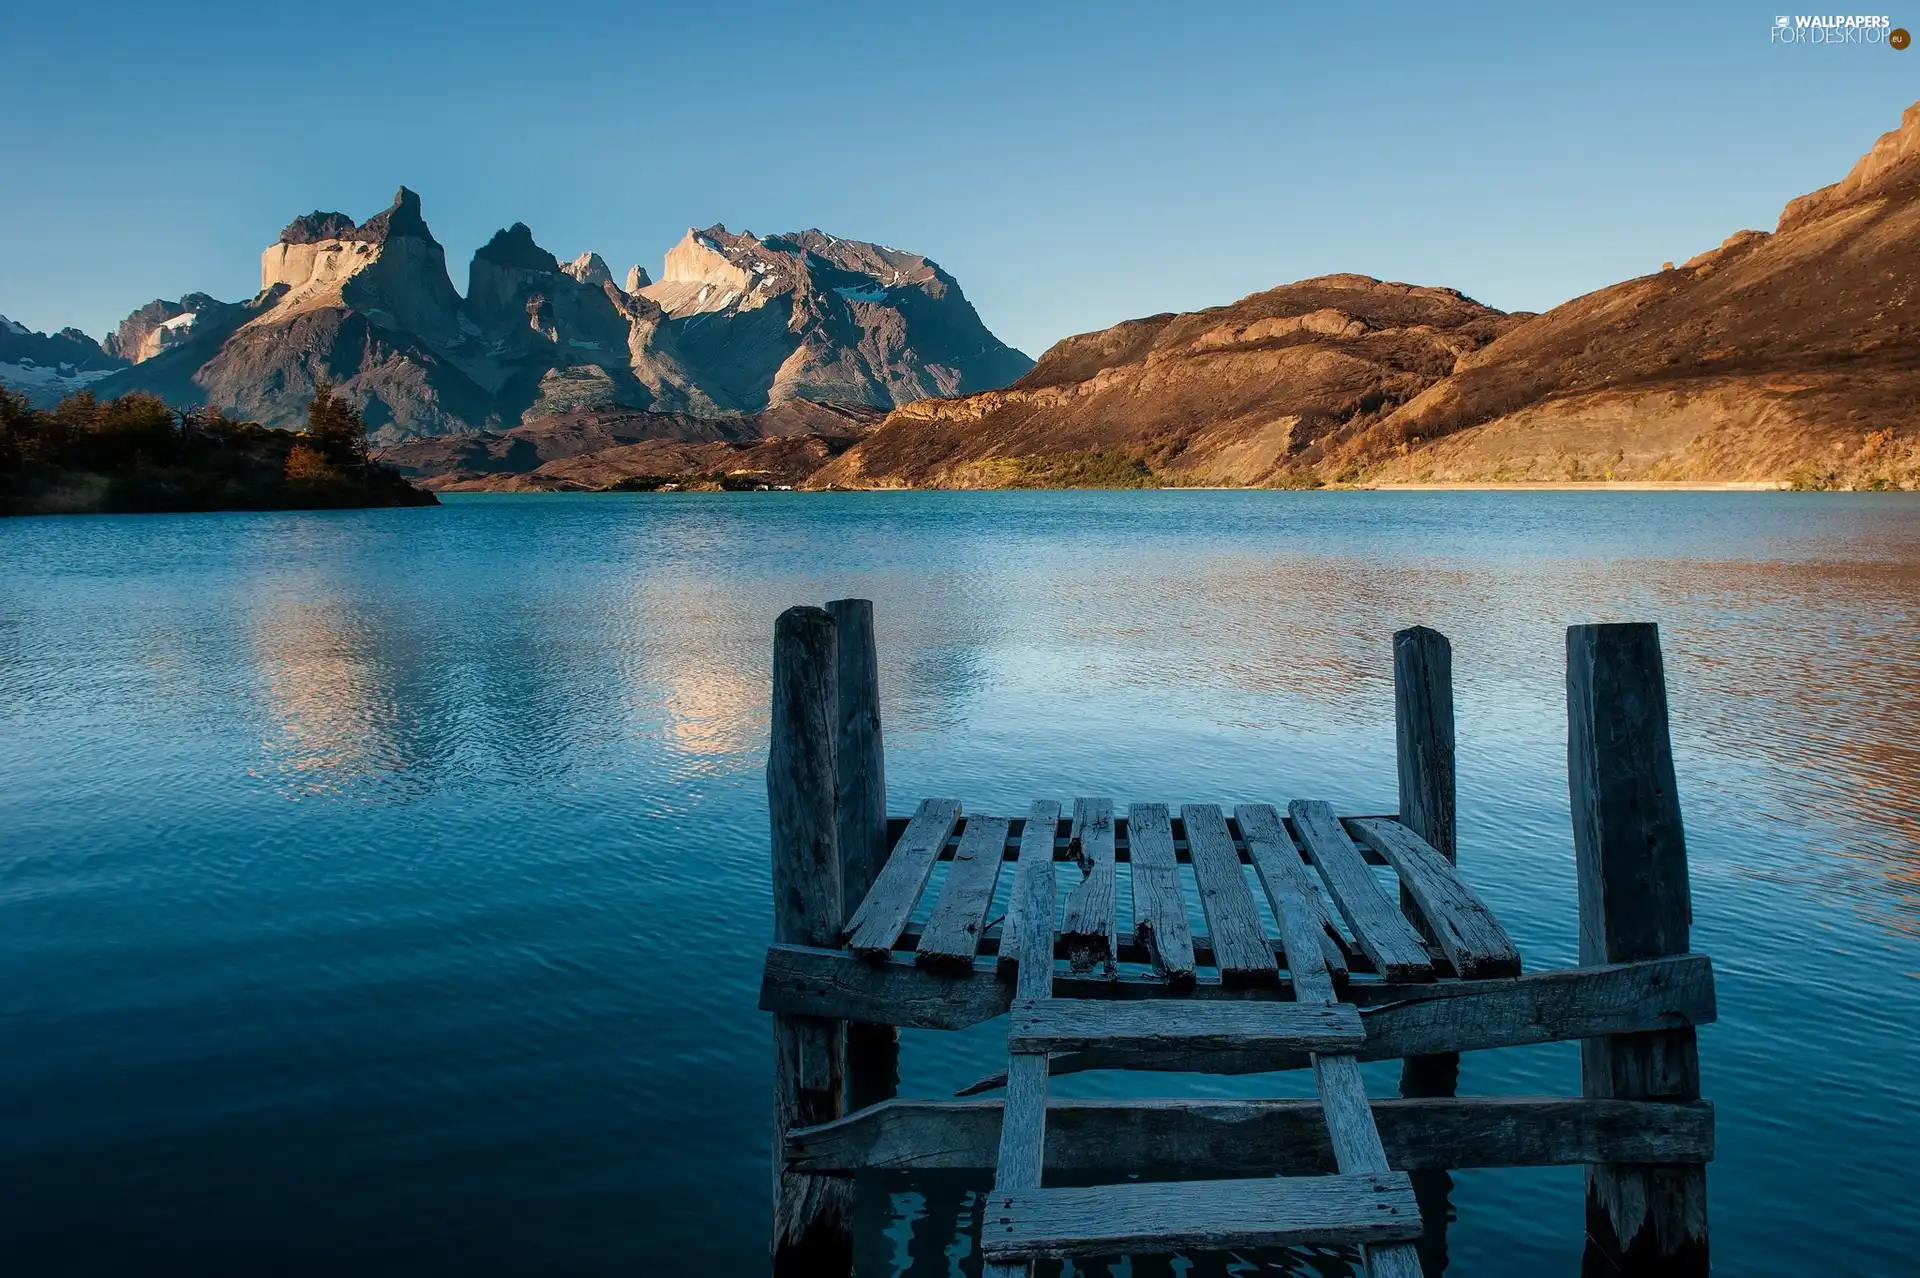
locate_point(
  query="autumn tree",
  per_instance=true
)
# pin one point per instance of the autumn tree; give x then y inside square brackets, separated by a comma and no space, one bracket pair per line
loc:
[335,428]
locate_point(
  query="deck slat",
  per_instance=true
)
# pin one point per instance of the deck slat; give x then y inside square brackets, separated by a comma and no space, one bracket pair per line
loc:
[1159,909]
[1473,940]
[1377,923]
[1036,849]
[1067,1024]
[1343,1094]
[1277,861]
[877,924]
[952,934]
[1239,945]
[1023,1131]
[1087,924]
[1205,1215]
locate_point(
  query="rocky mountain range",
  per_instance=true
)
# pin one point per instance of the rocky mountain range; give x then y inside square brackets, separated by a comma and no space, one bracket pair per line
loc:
[736,325]
[1783,356]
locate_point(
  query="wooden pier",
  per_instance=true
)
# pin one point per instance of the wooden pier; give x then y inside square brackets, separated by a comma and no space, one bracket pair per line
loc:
[1309,960]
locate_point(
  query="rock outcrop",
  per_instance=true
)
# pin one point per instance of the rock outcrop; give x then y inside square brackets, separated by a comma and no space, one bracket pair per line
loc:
[736,326]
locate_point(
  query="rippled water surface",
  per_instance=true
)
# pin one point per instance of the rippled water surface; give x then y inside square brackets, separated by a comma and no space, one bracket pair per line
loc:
[384,892]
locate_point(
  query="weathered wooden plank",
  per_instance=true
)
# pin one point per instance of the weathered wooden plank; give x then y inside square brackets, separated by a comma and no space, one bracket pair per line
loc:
[1239,946]
[812,1217]
[1036,850]
[952,934]
[1170,1139]
[1630,856]
[1512,1011]
[1277,861]
[1300,935]
[1159,908]
[1023,1134]
[1377,924]
[1473,940]
[1199,1215]
[805,980]
[1343,1096]
[1357,1149]
[1065,1024]
[876,925]
[1087,923]
[1023,1140]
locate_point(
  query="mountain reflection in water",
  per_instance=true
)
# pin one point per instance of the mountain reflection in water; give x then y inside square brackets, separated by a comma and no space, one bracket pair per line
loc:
[385,891]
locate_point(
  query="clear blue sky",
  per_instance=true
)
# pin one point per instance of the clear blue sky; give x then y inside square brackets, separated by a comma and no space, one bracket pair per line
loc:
[1073,165]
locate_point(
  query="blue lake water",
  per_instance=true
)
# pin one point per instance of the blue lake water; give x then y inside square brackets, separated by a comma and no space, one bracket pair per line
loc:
[384,892]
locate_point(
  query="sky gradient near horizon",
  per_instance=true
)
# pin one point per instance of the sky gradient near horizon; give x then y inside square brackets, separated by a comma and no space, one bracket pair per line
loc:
[1072,165]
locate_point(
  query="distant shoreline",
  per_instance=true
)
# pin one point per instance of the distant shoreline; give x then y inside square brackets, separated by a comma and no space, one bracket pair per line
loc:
[1603,485]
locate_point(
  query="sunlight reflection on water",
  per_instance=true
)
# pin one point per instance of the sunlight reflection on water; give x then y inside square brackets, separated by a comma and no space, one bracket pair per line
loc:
[387,889]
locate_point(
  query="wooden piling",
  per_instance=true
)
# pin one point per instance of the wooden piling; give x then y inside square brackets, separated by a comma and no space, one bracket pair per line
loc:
[1424,752]
[1635,903]
[812,1216]
[873,1051]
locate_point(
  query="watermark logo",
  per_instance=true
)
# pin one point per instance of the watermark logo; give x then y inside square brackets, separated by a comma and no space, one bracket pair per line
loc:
[1837,29]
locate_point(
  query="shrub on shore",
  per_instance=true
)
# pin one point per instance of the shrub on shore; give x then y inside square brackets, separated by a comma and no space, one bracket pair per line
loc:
[136,454]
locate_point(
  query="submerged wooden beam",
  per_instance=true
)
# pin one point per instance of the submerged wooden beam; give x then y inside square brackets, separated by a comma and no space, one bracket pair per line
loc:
[1172,1138]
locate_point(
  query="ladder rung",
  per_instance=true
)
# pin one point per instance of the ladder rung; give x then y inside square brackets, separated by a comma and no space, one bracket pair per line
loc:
[1200,1215]
[1064,1024]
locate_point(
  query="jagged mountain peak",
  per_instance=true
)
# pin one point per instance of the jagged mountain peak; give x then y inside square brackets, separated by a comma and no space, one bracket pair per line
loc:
[316,226]
[401,219]
[46,366]
[589,268]
[514,247]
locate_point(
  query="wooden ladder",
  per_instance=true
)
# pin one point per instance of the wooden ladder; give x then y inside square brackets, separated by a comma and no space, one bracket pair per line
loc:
[1365,1204]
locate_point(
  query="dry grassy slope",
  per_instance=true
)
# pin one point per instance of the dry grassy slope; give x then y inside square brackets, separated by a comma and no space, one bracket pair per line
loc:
[1236,394]
[1782,356]
[782,460]
[576,447]
[1793,356]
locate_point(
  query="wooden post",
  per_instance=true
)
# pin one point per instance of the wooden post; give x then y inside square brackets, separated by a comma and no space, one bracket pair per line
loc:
[873,1051]
[1424,750]
[1635,903]
[812,1216]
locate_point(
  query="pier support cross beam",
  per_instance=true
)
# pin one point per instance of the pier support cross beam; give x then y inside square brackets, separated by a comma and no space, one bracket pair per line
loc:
[812,1215]
[1424,751]
[1635,903]
[873,1051]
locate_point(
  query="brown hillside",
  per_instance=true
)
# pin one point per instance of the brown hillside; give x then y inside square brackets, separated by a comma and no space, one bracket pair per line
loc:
[1237,394]
[1782,356]
[1787,356]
